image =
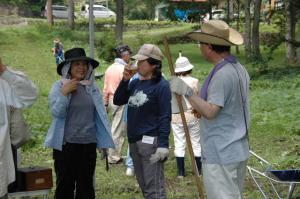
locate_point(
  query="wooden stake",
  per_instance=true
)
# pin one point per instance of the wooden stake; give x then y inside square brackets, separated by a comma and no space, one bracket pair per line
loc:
[185,127]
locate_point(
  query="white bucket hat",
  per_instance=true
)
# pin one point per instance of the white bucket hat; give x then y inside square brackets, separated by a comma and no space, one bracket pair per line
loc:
[217,32]
[182,64]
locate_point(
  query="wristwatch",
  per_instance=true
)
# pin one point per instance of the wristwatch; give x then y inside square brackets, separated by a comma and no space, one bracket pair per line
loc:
[189,93]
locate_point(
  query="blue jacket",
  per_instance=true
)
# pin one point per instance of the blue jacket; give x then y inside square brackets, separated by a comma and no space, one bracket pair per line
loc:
[59,106]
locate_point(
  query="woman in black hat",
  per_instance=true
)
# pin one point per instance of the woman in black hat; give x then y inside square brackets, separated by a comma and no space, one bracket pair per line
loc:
[79,126]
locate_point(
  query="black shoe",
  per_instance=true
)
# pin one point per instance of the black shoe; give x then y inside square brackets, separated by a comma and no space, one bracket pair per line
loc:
[117,162]
[199,164]
[180,167]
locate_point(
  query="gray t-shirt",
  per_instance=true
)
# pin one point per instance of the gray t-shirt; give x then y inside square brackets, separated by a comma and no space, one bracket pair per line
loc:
[224,138]
[80,126]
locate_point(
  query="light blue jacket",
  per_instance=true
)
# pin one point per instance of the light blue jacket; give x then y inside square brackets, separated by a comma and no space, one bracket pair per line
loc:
[59,106]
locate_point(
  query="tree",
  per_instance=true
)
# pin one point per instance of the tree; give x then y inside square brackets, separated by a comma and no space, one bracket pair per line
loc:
[298,39]
[49,12]
[119,21]
[255,31]
[238,22]
[71,15]
[290,31]
[247,37]
[136,9]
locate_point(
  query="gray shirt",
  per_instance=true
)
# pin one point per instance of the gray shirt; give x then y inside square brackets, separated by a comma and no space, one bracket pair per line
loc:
[223,139]
[80,126]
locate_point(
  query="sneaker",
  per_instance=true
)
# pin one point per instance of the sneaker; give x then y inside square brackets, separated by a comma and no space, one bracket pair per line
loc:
[130,172]
[180,177]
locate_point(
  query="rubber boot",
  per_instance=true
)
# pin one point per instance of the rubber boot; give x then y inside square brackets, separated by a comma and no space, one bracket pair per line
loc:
[199,164]
[180,167]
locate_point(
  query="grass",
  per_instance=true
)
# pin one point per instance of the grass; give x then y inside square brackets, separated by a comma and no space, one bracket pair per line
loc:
[275,108]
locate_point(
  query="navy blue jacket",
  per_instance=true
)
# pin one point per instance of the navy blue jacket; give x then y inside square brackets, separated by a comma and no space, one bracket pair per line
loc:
[149,109]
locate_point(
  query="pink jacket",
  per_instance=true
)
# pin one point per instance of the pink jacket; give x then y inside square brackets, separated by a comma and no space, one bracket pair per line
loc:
[112,78]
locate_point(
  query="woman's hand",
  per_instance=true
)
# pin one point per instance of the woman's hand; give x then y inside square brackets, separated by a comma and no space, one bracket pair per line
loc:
[2,67]
[128,73]
[69,87]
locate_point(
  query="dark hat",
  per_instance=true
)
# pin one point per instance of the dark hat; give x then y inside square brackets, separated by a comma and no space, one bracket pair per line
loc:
[76,54]
[122,48]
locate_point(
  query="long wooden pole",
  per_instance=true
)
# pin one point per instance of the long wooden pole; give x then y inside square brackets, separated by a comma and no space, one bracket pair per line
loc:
[185,127]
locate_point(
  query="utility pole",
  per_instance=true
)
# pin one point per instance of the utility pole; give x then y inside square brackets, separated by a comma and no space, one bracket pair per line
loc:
[91,28]
[49,12]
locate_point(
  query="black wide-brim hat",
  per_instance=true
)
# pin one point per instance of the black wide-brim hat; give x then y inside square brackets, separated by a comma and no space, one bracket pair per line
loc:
[76,54]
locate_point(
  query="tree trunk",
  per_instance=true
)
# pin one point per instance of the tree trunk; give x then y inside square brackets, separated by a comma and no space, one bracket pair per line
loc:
[247,34]
[49,12]
[238,23]
[228,11]
[210,9]
[298,40]
[290,32]
[231,10]
[119,21]
[255,30]
[71,15]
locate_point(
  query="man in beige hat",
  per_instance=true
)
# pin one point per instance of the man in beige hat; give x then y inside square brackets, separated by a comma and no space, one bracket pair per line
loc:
[148,119]
[224,108]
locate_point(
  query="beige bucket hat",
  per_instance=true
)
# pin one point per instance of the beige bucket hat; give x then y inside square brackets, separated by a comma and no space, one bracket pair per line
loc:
[217,32]
[149,50]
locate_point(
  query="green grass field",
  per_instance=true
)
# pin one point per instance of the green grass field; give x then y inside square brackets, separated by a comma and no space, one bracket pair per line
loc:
[275,108]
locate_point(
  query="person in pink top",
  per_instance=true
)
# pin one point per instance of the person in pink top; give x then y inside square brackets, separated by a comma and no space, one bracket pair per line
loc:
[113,76]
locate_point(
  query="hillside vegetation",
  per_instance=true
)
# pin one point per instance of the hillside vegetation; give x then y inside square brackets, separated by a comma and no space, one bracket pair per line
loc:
[275,104]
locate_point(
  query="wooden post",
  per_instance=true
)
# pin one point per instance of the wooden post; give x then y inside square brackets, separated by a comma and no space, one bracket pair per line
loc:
[185,127]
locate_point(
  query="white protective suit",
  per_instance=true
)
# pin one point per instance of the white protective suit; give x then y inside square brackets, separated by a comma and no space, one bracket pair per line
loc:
[16,91]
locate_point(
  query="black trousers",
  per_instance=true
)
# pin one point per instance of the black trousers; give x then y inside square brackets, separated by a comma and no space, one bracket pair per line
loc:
[74,168]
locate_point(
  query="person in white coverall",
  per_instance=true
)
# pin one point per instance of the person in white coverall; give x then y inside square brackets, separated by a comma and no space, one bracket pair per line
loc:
[16,91]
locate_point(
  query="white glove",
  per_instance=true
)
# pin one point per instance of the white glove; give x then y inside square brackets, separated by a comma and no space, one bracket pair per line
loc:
[160,155]
[179,87]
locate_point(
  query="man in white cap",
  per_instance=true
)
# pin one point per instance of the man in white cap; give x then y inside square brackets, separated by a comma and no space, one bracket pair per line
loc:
[224,108]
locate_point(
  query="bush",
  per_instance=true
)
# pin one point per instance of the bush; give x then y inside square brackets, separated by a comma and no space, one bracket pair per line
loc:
[103,24]
[106,46]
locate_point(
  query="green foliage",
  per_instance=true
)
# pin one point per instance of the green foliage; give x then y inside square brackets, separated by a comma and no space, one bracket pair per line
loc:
[106,46]
[141,10]
[102,24]
[271,41]
[13,2]
[34,6]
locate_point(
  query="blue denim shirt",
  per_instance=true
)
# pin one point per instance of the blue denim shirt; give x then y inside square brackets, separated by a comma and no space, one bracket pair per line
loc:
[59,106]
